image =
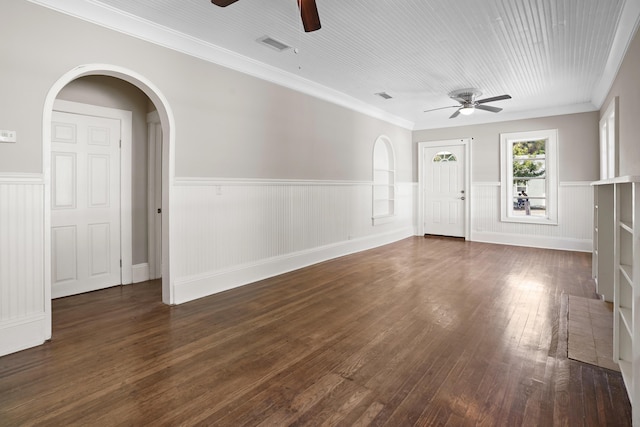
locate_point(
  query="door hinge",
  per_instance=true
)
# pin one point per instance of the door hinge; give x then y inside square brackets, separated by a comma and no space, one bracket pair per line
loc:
[120,263]
[120,143]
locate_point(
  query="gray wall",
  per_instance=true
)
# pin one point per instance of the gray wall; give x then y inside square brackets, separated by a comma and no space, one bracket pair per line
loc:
[227,124]
[115,93]
[627,88]
[577,141]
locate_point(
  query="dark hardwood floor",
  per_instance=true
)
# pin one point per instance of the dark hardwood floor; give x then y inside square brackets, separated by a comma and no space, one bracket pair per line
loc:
[424,331]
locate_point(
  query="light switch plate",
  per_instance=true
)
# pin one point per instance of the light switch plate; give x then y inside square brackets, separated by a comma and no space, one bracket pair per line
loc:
[8,136]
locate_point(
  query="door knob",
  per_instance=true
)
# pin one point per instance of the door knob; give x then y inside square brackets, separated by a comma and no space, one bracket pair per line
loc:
[462,198]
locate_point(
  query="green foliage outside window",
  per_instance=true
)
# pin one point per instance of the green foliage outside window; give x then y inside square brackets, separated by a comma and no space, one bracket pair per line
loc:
[526,161]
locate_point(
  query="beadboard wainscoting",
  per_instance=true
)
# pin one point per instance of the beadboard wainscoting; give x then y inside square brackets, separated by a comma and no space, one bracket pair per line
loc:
[575,219]
[230,232]
[23,299]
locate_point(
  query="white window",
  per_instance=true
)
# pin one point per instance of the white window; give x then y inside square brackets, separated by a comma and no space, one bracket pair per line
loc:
[443,157]
[529,178]
[384,180]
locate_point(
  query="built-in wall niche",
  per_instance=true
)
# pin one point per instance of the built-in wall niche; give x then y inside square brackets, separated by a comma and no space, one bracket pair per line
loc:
[617,227]
[384,181]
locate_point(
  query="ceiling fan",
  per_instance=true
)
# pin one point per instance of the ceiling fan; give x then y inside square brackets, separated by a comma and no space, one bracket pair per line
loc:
[308,12]
[469,102]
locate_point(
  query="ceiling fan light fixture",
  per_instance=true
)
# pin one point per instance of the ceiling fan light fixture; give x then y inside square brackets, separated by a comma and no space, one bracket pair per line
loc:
[467,110]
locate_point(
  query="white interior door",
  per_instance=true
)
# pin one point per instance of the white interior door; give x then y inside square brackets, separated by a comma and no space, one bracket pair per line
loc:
[444,190]
[85,203]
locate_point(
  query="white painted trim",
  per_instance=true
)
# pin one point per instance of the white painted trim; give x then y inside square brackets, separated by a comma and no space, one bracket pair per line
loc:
[627,27]
[143,29]
[618,180]
[487,184]
[154,241]
[126,135]
[116,20]
[20,334]
[153,117]
[560,243]
[562,184]
[168,170]
[575,184]
[206,181]
[198,286]
[21,178]
[609,147]
[552,176]
[384,219]
[466,143]
[140,272]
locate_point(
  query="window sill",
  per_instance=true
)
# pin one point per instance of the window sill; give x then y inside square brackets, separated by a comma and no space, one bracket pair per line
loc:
[377,220]
[530,220]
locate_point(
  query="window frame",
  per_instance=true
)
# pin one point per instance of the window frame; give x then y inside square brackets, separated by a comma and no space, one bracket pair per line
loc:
[551,175]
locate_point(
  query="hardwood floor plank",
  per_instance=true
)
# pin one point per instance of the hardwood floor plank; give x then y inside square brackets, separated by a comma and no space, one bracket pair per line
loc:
[419,332]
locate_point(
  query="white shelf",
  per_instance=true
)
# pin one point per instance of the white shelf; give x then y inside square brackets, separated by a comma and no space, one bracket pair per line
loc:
[625,316]
[627,270]
[626,369]
[616,257]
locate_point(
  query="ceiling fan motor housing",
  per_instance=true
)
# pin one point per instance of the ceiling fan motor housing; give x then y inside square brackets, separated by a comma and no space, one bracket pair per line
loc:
[467,96]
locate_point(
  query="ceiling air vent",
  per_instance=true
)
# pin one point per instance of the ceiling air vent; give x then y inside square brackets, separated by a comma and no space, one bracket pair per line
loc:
[273,43]
[384,95]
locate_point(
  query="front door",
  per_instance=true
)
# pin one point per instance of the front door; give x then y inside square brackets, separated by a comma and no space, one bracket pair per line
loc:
[85,203]
[444,190]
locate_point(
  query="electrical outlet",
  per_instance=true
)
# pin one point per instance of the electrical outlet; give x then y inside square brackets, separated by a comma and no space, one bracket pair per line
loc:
[8,136]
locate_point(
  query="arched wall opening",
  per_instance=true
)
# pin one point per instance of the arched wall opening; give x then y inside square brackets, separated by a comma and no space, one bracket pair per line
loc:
[168,137]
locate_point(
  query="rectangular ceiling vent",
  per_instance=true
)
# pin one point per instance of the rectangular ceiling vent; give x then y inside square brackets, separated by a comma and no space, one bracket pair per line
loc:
[273,43]
[384,95]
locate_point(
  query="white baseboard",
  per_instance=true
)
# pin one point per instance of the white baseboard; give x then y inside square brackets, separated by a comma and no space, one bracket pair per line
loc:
[194,287]
[140,272]
[543,242]
[21,334]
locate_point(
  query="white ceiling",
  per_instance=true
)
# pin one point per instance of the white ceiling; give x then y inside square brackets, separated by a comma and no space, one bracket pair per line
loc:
[551,56]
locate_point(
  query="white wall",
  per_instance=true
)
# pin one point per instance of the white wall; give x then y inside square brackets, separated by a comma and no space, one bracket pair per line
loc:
[22,299]
[228,124]
[578,166]
[266,179]
[627,88]
[239,231]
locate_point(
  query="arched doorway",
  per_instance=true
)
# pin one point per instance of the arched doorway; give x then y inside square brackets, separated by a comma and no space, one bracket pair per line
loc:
[168,131]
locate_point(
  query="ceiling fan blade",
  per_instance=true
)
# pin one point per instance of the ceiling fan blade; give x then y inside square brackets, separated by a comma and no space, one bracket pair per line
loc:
[495,98]
[488,108]
[454,115]
[223,3]
[309,14]
[442,108]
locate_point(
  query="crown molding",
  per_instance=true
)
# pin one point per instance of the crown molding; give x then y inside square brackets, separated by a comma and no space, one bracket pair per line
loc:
[627,27]
[122,22]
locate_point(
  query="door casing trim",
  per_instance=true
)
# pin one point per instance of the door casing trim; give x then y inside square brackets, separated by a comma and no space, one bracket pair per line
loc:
[466,143]
[168,169]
